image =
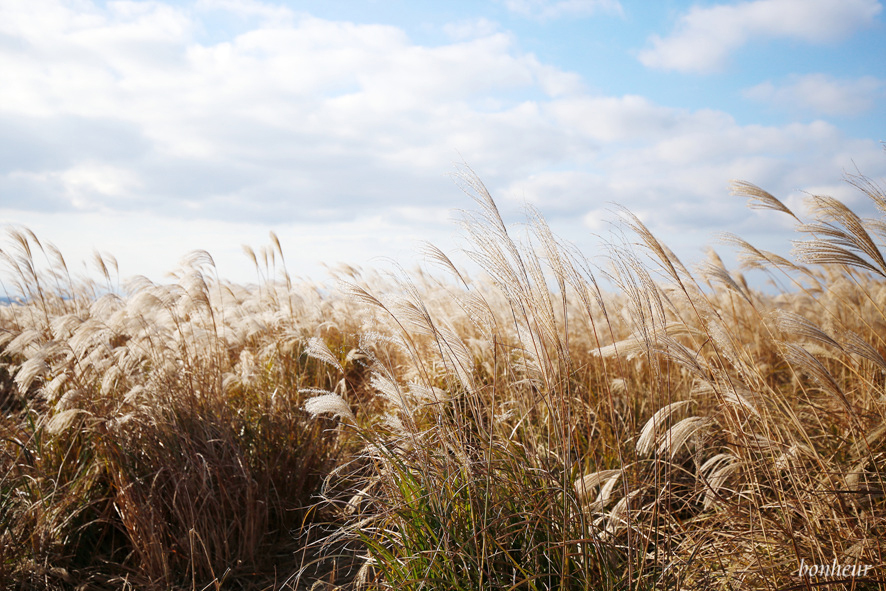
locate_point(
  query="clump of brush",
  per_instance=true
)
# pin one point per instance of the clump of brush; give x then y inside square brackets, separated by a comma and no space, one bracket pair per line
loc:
[154,434]
[689,432]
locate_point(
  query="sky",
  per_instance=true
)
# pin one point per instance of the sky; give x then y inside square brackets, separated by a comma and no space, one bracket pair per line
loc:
[149,129]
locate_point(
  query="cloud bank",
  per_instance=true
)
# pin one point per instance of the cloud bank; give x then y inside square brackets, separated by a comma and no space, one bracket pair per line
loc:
[553,9]
[320,127]
[705,37]
[821,94]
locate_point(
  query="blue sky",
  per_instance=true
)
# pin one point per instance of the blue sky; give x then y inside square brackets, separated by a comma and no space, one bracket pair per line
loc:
[150,129]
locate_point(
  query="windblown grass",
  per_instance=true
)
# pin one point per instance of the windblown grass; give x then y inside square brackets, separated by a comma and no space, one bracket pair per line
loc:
[527,430]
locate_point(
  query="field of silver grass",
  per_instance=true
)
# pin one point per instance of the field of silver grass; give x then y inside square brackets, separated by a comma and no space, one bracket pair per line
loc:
[527,429]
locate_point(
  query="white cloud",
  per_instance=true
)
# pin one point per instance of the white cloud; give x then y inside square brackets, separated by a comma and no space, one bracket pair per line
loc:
[153,245]
[676,175]
[553,9]
[279,112]
[821,94]
[471,29]
[248,8]
[337,133]
[83,181]
[625,118]
[706,36]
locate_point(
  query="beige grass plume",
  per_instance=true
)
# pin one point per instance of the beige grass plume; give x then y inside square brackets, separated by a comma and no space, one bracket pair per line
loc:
[328,402]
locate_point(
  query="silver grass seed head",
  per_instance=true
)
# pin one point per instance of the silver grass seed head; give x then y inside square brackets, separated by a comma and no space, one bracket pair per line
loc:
[718,468]
[319,350]
[646,441]
[672,440]
[588,482]
[327,402]
[64,420]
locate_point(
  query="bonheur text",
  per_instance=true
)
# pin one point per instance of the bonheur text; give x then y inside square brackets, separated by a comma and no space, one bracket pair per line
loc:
[834,569]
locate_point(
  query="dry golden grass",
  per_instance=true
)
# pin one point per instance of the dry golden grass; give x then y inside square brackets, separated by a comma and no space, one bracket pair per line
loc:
[526,430]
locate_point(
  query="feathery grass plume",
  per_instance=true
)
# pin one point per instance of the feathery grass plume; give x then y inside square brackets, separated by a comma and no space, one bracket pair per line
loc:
[840,238]
[328,402]
[641,342]
[29,371]
[823,252]
[360,294]
[853,235]
[792,323]
[553,250]
[478,311]
[390,391]
[618,386]
[53,388]
[457,355]
[672,440]
[617,517]
[715,471]
[606,490]
[427,394]
[758,198]
[63,421]
[104,263]
[499,243]
[62,327]
[626,349]
[714,270]
[741,399]
[25,342]
[318,349]
[644,298]
[435,255]
[729,346]
[679,353]
[414,315]
[852,343]
[649,432]
[584,485]
[872,189]
[250,252]
[667,259]
[752,257]
[804,360]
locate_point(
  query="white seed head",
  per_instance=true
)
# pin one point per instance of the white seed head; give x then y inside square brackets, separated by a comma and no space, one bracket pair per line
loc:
[330,403]
[586,483]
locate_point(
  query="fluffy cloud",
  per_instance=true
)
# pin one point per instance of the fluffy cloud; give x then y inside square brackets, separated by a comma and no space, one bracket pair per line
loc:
[678,179]
[289,112]
[552,9]
[471,29]
[706,36]
[336,133]
[821,94]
